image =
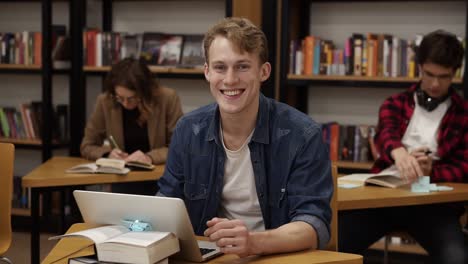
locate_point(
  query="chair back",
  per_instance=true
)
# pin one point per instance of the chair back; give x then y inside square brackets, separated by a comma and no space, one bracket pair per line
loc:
[333,243]
[7,155]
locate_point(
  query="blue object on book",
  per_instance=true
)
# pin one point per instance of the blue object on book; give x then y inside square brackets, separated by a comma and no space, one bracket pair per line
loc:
[423,185]
[137,225]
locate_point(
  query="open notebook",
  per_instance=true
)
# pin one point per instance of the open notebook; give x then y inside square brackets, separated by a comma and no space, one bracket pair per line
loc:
[163,213]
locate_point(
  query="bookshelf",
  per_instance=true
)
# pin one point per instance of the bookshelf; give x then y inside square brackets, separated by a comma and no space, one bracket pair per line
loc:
[38,77]
[45,143]
[295,22]
[21,211]
[330,97]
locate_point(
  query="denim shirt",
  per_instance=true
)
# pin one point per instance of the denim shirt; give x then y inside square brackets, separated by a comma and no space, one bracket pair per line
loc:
[290,161]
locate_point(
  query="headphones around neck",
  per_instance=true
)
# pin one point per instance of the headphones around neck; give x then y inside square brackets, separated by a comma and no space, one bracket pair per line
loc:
[427,102]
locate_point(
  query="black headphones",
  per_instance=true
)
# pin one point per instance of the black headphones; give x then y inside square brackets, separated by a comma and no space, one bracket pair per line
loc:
[427,102]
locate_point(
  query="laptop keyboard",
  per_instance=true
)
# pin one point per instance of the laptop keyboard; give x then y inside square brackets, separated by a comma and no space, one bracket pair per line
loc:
[204,251]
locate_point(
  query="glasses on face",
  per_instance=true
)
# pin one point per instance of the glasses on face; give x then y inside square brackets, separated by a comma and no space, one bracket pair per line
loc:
[440,77]
[130,100]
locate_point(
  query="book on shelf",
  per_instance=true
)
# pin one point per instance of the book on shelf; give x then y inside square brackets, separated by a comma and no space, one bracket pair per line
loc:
[170,51]
[357,52]
[390,179]
[192,52]
[93,260]
[151,47]
[350,142]
[116,243]
[131,45]
[61,53]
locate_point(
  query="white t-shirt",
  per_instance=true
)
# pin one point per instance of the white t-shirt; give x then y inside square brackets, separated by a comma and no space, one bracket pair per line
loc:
[239,198]
[423,129]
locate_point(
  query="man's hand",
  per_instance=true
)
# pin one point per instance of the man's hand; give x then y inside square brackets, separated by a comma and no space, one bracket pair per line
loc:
[407,165]
[117,154]
[231,236]
[139,156]
[424,159]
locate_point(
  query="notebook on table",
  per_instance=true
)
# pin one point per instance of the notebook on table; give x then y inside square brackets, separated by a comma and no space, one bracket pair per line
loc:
[163,213]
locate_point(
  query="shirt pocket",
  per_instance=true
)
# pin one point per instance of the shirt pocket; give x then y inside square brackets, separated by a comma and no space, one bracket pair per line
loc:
[278,198]
[195,191]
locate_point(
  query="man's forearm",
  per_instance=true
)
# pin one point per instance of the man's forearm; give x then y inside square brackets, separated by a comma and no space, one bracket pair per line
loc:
[290,237]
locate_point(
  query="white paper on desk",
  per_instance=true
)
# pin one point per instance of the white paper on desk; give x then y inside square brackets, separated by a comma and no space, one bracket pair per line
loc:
[349,185]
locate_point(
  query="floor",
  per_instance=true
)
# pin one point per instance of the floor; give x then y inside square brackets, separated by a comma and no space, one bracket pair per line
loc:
[19,252]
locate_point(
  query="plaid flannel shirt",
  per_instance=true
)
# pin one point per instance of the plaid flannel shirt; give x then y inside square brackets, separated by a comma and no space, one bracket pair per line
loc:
[452,139]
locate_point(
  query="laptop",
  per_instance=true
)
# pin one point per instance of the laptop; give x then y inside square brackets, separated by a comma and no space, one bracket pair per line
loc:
[163,213]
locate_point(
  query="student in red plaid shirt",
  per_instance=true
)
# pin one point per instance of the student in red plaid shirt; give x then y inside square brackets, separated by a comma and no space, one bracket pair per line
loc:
[421,132]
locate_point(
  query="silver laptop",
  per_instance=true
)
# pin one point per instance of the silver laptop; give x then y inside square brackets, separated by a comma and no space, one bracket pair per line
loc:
[163,213]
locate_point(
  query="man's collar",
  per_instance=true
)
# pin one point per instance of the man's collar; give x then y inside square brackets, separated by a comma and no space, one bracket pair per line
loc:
[261,134]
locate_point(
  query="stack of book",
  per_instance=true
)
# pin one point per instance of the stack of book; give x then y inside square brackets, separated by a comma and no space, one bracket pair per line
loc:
[117,244]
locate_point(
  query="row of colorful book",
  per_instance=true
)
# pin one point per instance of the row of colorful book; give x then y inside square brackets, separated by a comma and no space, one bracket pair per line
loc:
[371,55]
[155,48]
[26,122]
[350,142]
[25,48]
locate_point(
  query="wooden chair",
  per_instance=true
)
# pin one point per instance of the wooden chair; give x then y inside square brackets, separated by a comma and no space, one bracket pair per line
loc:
[333,243]
[7,156]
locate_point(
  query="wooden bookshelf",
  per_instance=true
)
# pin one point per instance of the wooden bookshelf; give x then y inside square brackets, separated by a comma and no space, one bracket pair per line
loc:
[29,142]
[342,164]
[21,211]
[20,67]
[17,141]
[357,78]
[186,70]
[154,69]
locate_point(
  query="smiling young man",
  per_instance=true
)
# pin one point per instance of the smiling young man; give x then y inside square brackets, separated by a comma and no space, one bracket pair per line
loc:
[254,173]
[421,132]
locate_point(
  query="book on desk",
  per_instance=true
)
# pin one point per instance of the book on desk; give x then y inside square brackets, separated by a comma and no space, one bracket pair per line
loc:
[113,166]
[93,260]
[116,243]
[385,179]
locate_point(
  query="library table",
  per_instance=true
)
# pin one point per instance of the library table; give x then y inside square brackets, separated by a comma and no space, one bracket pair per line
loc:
[51,176]
[74,247]
[365,197]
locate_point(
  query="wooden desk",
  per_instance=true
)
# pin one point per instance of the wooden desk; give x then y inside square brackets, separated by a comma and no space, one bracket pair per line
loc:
[74,247]
[374,197]
[51,176]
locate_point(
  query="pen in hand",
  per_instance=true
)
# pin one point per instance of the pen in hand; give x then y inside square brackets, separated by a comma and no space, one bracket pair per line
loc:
[116,152]
[113,143]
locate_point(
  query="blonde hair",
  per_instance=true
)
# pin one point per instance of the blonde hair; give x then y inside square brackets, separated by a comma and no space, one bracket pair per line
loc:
[240,31]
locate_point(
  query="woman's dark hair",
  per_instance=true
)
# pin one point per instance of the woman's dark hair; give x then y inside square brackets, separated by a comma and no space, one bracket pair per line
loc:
[134,75]
[442,48]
